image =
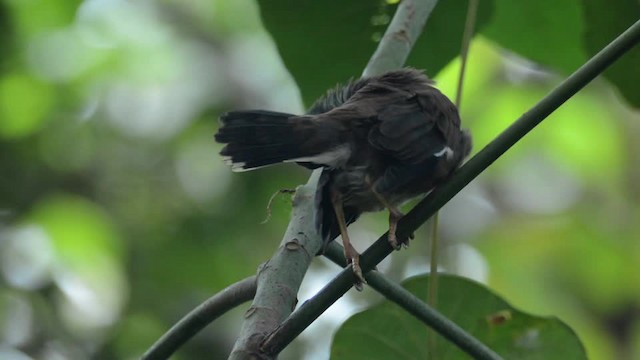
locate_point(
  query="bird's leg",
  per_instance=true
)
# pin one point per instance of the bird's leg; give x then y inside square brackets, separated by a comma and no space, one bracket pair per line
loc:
[349,251]
[394,216]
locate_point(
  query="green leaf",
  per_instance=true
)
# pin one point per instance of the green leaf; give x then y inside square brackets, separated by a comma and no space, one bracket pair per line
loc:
[608,19]
[326,42]
[548,32]
[386,331]
[562,35]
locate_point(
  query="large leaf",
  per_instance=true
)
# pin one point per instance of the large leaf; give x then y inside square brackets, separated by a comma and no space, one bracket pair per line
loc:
[608,19]
[386,331]
[326,42]
[562,35]
[548,32]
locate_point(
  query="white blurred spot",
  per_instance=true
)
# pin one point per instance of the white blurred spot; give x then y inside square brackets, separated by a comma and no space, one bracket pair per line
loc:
[445,151]
[58,350]
[417,266]
[468,213]
[317,337]
[201,174]
[249,57]
[538,185]
[27,257]
[9,353]
[16,319]
[465,260]
[148,111]
[93,300]
[107,24]
[59,55]
[519,70]
[529,340]
[163,105]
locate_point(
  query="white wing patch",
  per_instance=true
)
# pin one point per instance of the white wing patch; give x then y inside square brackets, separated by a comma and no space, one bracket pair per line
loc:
[333,158]
[239,166]
[446,151]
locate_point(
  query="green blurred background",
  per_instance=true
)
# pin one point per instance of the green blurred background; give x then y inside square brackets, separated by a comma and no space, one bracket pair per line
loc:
[117,215]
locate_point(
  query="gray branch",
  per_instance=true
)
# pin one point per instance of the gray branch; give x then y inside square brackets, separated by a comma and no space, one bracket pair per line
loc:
[280,277]
[402,33]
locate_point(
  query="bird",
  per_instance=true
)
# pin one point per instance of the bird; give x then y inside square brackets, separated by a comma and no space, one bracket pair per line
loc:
[380,142]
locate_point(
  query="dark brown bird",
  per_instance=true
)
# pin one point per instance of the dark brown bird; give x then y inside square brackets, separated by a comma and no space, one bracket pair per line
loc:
[380,141]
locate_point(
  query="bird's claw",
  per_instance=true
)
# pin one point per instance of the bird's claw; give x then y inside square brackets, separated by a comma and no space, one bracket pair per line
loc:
[393,241]
[357,271]
[408,241]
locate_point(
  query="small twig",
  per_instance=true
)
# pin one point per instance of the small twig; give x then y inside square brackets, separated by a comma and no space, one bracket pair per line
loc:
[198,318]
[270,203]
[432,293]
[469,27]
[432,288]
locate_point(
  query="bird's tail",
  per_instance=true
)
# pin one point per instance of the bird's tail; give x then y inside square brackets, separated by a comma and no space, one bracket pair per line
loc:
[260,138]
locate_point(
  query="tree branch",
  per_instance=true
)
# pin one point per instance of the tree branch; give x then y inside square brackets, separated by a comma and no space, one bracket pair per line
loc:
[310,310]
[400,36]
[280,277]
[203,315]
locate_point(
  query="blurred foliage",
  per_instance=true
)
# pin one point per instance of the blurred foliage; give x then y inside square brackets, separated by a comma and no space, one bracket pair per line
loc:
[117,215]
[387,331]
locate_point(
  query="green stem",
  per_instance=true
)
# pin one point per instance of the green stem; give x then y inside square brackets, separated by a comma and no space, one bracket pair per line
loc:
[432,296]
[469,27]
[198,318]
[432,290]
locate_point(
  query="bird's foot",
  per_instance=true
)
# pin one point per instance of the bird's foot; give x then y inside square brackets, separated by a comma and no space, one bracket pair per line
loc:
[394,217]
[407,242]
[357,271]
[354,259]
[393,240]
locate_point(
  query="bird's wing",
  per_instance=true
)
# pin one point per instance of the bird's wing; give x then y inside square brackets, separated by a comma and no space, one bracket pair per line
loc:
[417,134]
[411,131]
